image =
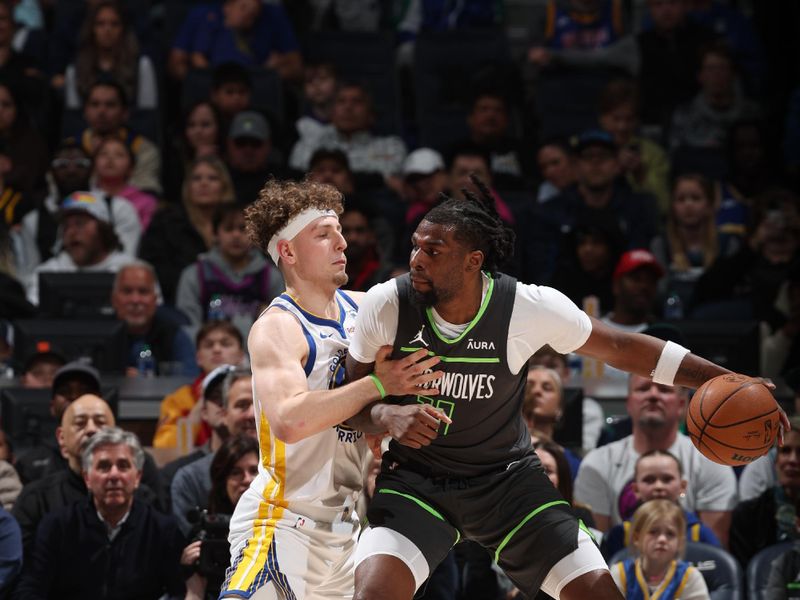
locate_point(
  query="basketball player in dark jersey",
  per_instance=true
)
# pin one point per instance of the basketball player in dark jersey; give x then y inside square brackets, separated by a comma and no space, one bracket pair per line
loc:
[474,475]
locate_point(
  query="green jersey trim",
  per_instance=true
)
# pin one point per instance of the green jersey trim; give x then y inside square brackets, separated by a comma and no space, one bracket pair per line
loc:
[457,359]
[527,518]
[481,310]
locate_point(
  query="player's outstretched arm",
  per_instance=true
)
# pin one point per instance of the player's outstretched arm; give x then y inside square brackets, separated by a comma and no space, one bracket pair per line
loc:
[413,425]
[642,354]
[639,353]
[278,350]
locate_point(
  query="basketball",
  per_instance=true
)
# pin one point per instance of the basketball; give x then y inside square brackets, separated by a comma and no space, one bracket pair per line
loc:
[733,419]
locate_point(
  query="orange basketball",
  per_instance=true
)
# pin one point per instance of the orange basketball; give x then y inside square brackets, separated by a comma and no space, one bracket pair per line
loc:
[733,419]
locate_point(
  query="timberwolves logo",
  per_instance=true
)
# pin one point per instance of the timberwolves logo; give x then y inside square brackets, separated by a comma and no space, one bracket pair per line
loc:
[336,369]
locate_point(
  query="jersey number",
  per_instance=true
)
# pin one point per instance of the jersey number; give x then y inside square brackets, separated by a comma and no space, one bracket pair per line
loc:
[446,406]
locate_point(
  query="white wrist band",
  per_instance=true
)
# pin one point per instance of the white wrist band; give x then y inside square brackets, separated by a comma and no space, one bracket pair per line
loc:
[667,366]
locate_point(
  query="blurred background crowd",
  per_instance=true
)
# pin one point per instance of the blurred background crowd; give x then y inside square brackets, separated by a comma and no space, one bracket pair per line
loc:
[645,152]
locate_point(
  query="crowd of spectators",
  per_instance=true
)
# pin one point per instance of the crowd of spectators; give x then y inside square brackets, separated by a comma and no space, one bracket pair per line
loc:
[646,153]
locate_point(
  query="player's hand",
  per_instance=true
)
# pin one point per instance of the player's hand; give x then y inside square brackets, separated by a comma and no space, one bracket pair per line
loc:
[374,442]
[785,426]
[413,425]
[405,376]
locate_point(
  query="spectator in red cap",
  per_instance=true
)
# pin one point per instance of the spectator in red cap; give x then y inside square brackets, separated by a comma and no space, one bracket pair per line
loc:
[635,286]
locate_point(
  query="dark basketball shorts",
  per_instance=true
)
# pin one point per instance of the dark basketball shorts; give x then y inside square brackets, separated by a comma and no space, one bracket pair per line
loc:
[515,513]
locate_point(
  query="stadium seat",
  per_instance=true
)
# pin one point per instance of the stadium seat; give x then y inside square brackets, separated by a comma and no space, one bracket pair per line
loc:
[759,566]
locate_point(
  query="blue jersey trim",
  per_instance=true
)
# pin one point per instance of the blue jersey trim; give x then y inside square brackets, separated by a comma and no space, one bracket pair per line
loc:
[350,301]
[312,345]
[337,325]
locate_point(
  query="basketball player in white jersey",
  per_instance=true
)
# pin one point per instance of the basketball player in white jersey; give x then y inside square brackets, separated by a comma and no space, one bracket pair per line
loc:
[293,532]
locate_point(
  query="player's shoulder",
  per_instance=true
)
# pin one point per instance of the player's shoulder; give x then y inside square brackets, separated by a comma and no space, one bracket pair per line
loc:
[275,324]
[541,295]
[380,294]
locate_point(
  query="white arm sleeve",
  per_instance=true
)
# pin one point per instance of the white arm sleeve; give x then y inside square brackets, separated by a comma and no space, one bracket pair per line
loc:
[543,315]
[376,324]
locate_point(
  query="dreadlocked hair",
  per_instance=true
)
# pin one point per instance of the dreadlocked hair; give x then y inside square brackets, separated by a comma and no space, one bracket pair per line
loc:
[477,224]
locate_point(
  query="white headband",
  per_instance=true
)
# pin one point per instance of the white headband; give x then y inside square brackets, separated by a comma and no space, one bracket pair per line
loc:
[293,227]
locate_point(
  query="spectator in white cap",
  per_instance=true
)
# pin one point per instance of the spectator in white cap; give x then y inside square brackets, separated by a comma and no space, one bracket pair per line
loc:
[89,241]
[249,154]
[424,178]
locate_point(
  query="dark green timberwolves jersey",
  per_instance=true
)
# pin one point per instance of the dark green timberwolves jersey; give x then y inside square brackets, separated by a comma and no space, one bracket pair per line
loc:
[477,391]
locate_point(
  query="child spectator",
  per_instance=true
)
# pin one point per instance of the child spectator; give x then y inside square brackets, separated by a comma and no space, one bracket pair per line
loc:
[319,90]
[232,281]
[113,166]
[231,91]
[658,474]
[586,265]
[658,541]
[218,343]
[108,50]
[692,241]
[644,163]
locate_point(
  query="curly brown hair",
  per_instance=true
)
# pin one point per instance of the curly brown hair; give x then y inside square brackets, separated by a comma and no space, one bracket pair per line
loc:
[280,201]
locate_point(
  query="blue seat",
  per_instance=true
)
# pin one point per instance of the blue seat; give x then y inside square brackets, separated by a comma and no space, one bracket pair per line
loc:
[759,566]
[720,570]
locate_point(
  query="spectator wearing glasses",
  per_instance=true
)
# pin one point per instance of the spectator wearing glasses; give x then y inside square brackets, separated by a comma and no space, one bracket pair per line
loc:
[69,172]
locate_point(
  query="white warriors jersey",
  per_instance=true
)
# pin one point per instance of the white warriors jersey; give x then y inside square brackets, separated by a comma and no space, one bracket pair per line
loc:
[319,477]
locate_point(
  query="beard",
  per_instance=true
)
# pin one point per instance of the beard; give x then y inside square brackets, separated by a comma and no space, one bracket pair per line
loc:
[340,279]
[424,299]
[652,421]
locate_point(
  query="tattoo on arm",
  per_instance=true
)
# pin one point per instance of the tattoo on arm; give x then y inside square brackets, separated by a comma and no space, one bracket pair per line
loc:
[694,371]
